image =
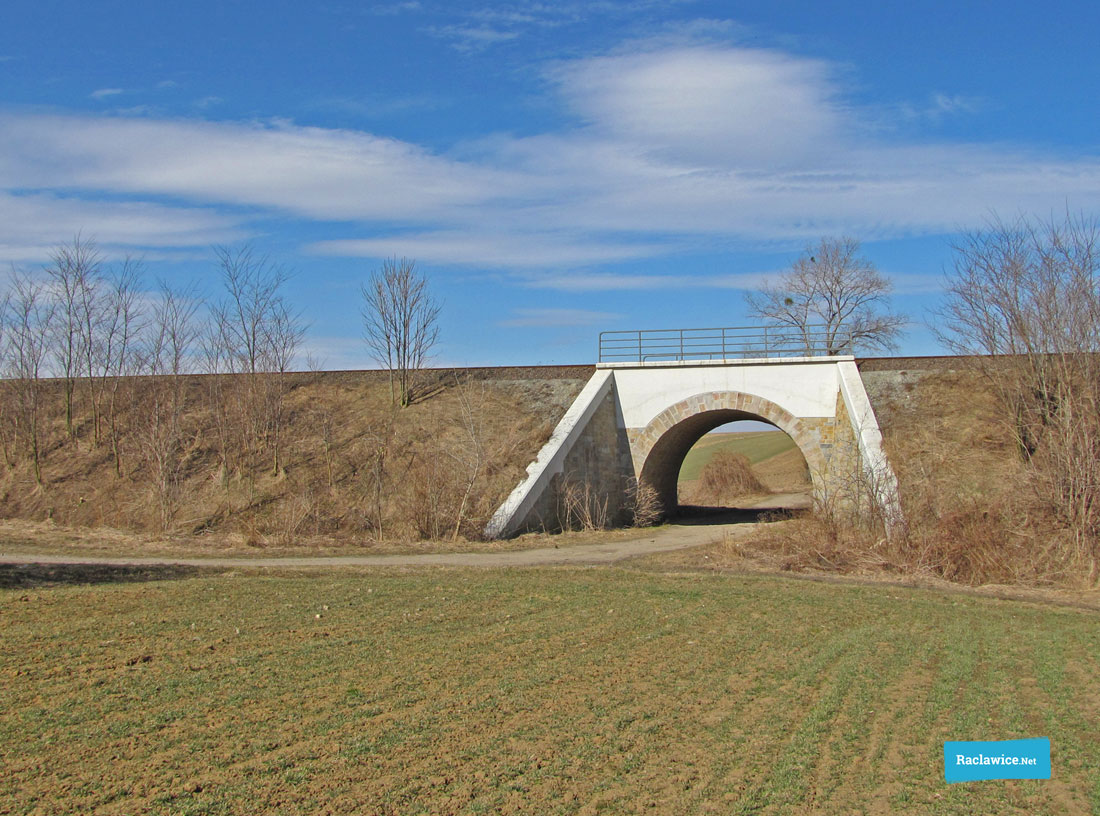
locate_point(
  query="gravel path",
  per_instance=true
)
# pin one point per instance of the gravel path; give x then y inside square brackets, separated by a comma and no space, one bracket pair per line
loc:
[691,532]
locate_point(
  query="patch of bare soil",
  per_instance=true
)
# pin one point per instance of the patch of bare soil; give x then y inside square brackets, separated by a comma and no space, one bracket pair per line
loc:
[32,538]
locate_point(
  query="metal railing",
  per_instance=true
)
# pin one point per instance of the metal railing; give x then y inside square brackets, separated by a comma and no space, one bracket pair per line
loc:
[731,343]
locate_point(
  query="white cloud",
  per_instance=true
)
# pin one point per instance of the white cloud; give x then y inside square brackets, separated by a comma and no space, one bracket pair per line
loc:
[394,9]
[30,225]
[677,146]
[940,106]
[311,172]
[738,106]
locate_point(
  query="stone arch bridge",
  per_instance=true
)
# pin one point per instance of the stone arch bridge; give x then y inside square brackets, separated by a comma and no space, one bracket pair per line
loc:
[635,421]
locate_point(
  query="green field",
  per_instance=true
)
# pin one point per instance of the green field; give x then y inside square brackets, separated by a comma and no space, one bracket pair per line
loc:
[757,445]
[536,691]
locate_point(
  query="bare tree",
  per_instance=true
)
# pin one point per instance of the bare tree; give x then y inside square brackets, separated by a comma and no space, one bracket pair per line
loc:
[833,295]
[1024,297]
[257,336]
[28,325]
[400,320]
[74,272]
[113,338]
[170,335]
[253,299]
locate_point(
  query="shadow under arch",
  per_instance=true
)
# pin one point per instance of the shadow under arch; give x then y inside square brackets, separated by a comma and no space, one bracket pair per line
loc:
[666,440]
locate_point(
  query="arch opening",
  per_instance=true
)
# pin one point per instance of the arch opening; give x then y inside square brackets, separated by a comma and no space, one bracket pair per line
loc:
[677,430]
[746,467]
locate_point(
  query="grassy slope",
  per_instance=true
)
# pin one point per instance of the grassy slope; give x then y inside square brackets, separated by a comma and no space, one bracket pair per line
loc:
[338,437]
[548,691]
[757,446]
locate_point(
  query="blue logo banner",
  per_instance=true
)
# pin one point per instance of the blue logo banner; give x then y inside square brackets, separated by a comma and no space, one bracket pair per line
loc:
[1002,759]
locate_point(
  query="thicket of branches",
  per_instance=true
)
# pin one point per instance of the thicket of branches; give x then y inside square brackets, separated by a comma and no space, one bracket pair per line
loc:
[88,324]
[167,410]
[1024,298]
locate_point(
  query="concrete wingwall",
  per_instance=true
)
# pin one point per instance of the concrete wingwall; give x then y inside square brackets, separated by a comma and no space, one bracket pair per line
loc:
[584,455]
[636,422]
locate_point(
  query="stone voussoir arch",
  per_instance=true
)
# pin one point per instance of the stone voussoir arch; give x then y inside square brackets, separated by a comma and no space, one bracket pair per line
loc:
[658,449]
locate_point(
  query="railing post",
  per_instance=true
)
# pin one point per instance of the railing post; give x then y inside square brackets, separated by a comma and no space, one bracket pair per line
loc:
[639,346]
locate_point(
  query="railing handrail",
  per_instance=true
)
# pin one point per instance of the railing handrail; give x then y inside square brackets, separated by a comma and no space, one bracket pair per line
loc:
[724,342]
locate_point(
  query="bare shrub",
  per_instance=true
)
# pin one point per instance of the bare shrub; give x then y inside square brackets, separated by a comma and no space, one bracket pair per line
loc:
[726,477]
[74,274]
[645,506]
[581,506]
[430,502]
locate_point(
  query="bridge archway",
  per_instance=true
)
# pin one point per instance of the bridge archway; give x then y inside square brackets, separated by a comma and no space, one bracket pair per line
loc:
[659,449]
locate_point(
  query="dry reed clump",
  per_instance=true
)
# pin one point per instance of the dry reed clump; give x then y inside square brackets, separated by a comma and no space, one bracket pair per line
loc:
[727,477]
[581,506]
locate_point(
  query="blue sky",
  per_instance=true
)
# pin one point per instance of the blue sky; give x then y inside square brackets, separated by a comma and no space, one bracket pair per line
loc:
[556,169]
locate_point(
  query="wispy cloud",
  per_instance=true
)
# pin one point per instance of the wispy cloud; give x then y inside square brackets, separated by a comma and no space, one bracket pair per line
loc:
[612,282]
[731,107]
[496,250]
[558,318]
[31,224]
[394,9]
[379,106]
[671,147]
[472,38]
[480,28]
[106,93]
[940,106]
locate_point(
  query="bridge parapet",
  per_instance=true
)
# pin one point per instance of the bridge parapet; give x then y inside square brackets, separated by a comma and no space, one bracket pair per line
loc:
[722,344]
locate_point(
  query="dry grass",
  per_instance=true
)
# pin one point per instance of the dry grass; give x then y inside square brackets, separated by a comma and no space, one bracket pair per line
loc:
[971,514]
[353,469]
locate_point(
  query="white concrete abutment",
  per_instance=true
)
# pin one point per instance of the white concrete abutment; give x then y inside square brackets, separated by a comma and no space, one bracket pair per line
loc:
[635,422]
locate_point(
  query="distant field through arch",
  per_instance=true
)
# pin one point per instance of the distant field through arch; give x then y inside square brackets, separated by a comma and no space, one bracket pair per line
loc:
[777,467]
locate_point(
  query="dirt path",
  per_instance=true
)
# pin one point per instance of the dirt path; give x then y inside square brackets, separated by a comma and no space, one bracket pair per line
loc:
[700,528]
